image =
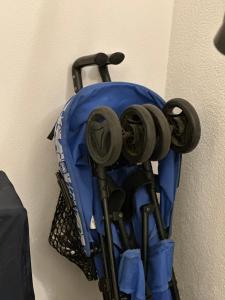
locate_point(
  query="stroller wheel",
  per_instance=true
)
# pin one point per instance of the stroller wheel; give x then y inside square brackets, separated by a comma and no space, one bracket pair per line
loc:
[185,125]
[104,136]
[163,132]
[139,134]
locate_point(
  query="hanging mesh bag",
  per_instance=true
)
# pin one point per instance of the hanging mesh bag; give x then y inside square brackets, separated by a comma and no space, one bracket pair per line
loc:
[65,238]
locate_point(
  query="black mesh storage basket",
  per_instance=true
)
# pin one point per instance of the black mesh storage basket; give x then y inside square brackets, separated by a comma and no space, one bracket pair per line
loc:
[64,237]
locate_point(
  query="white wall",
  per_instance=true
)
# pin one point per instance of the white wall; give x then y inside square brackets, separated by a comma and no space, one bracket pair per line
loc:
[39,41]
[197,73]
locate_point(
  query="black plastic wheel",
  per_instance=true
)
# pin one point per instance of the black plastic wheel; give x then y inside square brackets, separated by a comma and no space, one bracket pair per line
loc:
[163,132]
[185,125]
[139,134]
[104,136]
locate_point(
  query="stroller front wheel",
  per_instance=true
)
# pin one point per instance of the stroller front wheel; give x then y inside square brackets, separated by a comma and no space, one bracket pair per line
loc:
[139,134]
[185,125]
[104,136]
[163,132]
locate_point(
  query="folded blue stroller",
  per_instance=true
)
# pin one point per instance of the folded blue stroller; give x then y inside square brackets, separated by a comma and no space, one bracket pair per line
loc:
[114,213]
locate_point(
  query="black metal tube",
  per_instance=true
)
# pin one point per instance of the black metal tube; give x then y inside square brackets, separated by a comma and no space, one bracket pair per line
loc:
[123,233]
[152,192]
[104,73]
[106,268]
[77,79]
[99,59]
[145,240]
[159,222]
[145,233]
[146,210]
[108,233]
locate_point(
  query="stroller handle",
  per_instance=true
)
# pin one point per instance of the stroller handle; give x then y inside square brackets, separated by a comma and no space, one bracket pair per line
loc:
[101,60]
[94,59]
[115,58]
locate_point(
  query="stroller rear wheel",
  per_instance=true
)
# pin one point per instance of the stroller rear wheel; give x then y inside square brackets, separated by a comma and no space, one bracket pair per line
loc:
[139,135]
[185,125]
[104,136]
[163,132]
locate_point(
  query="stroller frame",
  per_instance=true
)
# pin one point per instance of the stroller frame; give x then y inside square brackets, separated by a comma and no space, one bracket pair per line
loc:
[102,61]
[109,285]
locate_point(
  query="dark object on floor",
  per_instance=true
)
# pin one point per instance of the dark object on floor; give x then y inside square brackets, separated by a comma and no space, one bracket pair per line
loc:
[15,265]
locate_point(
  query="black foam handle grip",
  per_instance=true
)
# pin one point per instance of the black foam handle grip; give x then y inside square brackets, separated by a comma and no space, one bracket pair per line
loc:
[115,58]
[99,59]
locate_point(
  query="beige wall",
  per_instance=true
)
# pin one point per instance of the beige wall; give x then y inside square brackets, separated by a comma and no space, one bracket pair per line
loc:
[197,72]
[39,41]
